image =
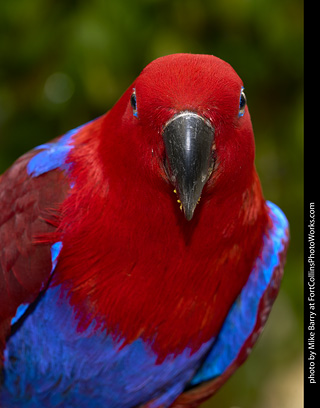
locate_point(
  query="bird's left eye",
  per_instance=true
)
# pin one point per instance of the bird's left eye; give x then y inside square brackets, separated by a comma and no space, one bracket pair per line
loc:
[242,103]
[133,101]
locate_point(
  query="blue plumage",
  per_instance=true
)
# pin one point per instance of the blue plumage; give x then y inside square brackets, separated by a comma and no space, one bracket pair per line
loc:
[95,372]
[55,251]
[241,320]
[52,155]
[48,344]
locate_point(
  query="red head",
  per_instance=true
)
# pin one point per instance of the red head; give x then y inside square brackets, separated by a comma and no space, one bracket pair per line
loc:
[185,121]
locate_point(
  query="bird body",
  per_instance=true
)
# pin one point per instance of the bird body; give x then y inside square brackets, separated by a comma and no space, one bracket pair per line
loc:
[111,296]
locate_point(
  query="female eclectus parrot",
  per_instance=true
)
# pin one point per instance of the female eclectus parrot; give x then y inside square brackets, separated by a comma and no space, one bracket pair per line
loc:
[139,260]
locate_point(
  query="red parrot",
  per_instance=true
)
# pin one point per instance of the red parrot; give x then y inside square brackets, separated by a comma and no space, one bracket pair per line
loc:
[139,259]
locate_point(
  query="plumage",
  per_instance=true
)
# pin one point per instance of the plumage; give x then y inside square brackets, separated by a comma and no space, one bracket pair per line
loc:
[112,293]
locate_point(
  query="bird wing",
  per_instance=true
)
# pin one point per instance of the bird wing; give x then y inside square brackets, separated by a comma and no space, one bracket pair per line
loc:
[30,193]
[246,317]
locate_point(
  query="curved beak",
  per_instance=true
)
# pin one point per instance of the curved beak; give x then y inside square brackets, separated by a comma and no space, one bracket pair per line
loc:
[188,139]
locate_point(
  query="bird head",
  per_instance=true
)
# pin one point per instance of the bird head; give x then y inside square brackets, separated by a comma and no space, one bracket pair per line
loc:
[187,116]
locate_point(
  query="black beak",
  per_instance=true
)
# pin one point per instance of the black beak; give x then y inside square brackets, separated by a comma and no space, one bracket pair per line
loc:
[188,139]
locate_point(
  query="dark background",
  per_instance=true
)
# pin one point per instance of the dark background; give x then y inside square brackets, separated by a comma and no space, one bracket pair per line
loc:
[63,63]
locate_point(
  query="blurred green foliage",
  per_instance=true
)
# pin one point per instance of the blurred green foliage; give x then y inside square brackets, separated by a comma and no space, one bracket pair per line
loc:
[63,63]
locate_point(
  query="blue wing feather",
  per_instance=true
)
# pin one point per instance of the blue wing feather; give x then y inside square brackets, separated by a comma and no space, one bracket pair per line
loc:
[241,319]
[60,363]
[52,155]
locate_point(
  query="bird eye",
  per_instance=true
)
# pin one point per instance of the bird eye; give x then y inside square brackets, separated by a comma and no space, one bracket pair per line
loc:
[133,101]
[242,103]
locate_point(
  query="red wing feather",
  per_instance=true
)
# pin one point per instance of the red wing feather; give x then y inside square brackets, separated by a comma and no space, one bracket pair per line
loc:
[24,266]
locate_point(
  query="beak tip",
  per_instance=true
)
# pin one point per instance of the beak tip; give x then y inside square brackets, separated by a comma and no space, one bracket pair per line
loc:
[189,216]
[188,212]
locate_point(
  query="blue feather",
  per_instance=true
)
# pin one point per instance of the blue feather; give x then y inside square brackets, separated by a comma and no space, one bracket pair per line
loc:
[20,312]
[53,155]
[242,316]
[49,355]
[55,251]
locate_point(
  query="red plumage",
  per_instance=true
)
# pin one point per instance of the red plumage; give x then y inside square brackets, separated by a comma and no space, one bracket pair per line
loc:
[113,256]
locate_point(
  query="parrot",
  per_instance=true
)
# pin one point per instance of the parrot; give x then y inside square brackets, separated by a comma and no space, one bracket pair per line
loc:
[139,259]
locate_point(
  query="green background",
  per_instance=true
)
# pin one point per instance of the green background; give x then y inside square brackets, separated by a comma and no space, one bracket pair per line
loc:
[63,63]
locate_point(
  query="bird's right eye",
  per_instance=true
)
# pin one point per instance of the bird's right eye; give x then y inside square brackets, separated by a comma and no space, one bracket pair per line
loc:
[133,101]
[242,103]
